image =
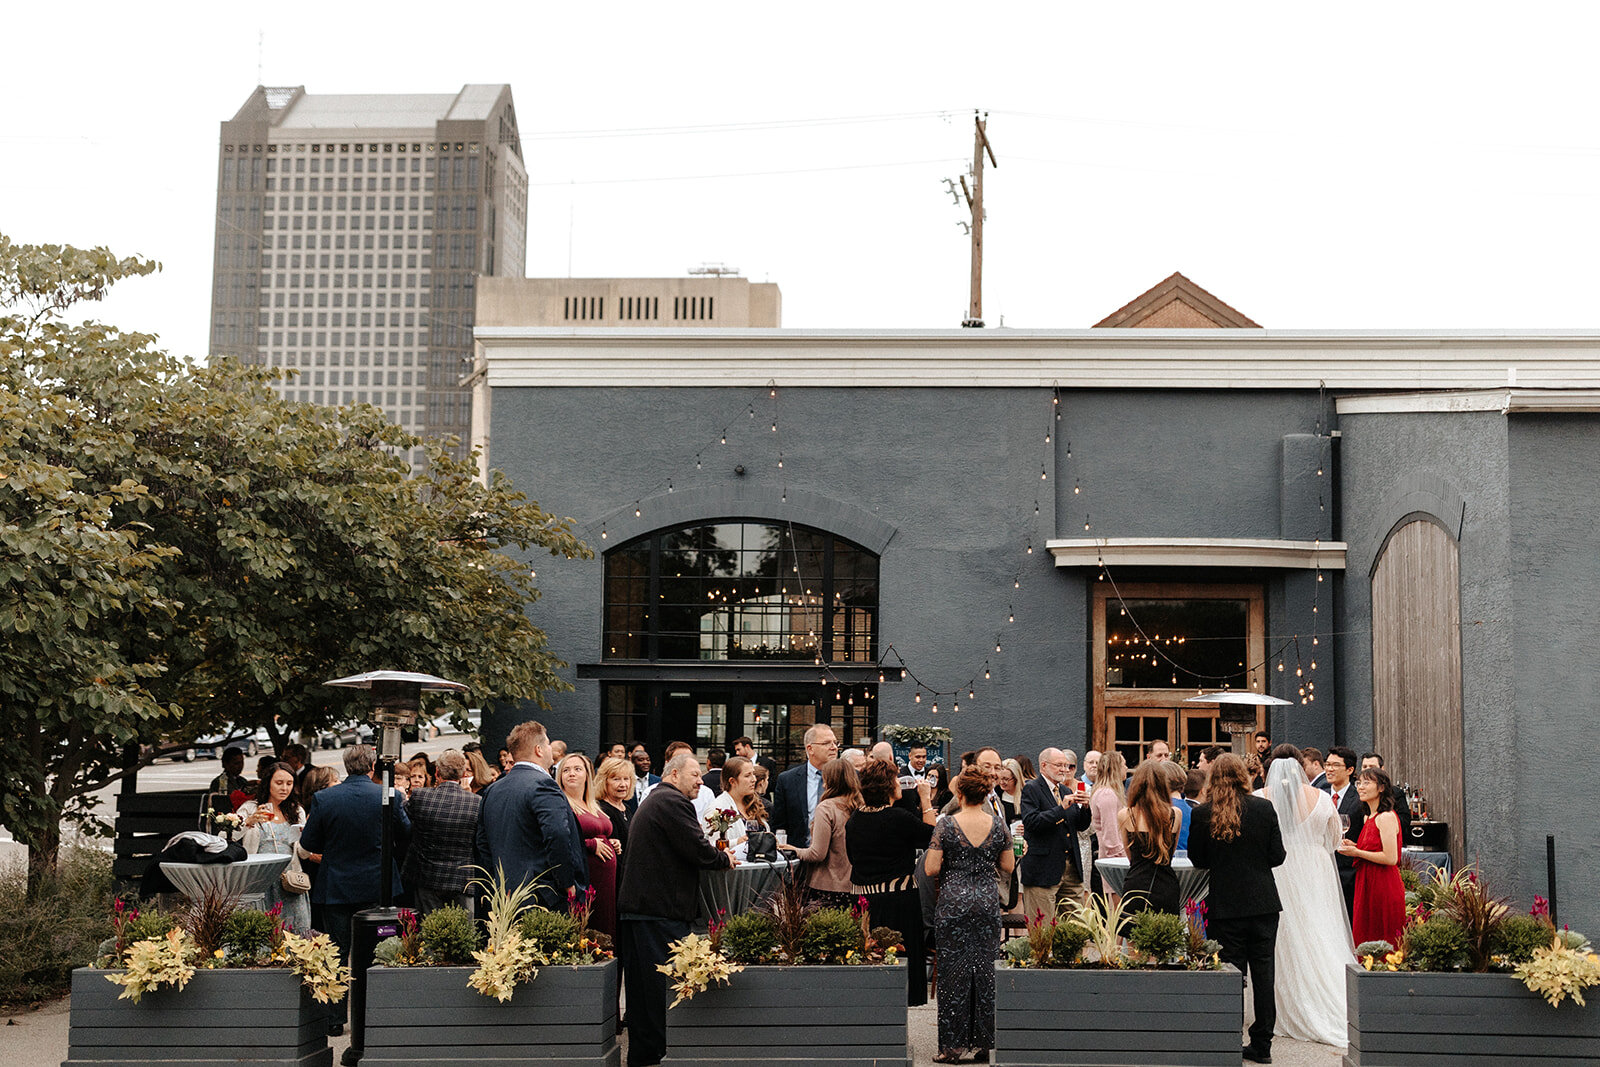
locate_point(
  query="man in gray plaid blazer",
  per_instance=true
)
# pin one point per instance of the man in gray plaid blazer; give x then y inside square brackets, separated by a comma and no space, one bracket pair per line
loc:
[443,822]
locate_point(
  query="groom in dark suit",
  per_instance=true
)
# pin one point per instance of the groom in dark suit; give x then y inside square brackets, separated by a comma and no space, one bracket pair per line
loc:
[527,828]
[1236,836]
[1339,766]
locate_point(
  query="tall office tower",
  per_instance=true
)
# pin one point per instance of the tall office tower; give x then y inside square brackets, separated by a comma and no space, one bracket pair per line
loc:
[351,231]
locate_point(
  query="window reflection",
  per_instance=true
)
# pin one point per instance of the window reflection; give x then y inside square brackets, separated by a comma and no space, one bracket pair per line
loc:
[741,591]
[1175,644]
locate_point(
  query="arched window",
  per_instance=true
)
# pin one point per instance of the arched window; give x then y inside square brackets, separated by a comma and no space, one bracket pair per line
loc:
[741,591]
[712,631]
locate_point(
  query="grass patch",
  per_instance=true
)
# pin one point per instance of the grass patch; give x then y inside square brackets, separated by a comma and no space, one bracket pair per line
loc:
[43,940]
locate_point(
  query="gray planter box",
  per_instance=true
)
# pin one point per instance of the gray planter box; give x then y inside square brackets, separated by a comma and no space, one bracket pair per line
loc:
[1400,1017]
[220,1017]
[1195,1018]
[418,1015]
[840,1016]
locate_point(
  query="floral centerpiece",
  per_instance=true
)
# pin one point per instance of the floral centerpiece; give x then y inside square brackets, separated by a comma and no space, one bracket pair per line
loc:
[719,821]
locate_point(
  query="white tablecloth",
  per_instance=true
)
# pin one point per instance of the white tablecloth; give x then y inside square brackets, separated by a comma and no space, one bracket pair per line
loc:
[248,879]
[1193,882]
[737,889]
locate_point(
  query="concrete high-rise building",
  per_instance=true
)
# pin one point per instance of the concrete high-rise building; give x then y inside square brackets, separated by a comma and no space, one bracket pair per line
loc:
[351,233]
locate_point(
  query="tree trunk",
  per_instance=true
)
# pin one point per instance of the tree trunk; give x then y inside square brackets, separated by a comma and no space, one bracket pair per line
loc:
[43,852]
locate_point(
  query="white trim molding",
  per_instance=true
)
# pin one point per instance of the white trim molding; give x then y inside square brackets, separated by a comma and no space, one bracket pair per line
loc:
[1385,361]
[1198,552]
[1504,401]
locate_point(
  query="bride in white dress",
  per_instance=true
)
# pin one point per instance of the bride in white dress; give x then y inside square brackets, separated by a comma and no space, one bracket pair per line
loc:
[1314,942]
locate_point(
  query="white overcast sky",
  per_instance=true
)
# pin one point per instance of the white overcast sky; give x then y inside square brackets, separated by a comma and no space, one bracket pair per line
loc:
[1361,165]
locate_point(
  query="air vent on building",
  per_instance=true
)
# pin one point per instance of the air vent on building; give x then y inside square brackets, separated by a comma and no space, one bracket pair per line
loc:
[639,307]
[583,308]
[693,308]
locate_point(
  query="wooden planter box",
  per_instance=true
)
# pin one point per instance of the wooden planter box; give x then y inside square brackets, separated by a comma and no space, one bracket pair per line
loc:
[1401,1017]
[418,1015]
[840,1016]
[220,1017]
[1082,1016]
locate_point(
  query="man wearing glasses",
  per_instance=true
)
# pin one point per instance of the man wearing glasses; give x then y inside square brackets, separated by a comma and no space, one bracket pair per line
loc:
[797,790]
[1054,810]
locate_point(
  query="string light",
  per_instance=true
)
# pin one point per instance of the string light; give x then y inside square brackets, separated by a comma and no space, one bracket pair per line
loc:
[972,694]
[936,707]
[724,436]
[919,696]
[780,461]
[1016,583]
[1086,522]
[603,534]
[997,643]
[1043,476]
[986,672]
[1030,546]
[636,512]
[1011,614]
[956,706]
[1075,488]
[669,485]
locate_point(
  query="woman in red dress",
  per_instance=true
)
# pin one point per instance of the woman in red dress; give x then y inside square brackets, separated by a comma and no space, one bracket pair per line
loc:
[1380,904]
[576,778]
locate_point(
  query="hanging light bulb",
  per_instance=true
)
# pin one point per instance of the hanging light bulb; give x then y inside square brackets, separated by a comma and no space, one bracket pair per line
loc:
[1043,476]
[724,436]
[986,672]
[880,677]
[1313,664]
[1069,443]
[902,674]
[774,427]
[602,531]
[1280,665]
[669,485]
[773,392]
[997,644]
[1047,437]
[919,696]
[1315,640]
[972,694]
[1319,576]
[1011,615]
[697,465]
[936,707]
[1298,673]
[1030,547]
[1076,490]
[780,461]
[636,511]
[1016,583]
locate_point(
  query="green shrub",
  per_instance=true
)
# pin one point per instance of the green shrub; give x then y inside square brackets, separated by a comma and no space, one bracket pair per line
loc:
[148,926]
[1018,951]
[1440,944]
[388,951]
[1159,935]
[1376,949]
[448,937]
[44,938]
[548,931]
[1067,943]
[750,938]
[829,935]
[1519,935]
[247,933]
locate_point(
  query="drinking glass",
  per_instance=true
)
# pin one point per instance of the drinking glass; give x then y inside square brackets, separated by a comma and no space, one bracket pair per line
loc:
[1344,824]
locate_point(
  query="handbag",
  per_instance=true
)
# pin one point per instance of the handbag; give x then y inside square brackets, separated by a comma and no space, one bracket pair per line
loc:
[293,880]
[761,846]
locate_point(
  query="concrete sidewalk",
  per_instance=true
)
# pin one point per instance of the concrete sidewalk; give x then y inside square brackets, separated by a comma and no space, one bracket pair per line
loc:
[39,1039]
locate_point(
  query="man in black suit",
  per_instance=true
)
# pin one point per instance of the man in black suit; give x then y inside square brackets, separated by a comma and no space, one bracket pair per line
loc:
[659,898]
[1311,760]
[343,835]
[796,791]
[527,828]
[1053,813]
[1236,836]
[1339,765]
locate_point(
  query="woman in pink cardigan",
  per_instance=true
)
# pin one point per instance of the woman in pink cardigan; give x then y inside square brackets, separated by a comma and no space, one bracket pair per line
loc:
[830,870]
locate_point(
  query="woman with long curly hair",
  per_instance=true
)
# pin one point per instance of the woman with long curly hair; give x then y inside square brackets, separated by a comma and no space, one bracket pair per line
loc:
[1236,837]
[1149,826]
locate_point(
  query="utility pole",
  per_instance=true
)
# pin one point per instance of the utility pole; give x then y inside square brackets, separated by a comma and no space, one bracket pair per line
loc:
[974,195]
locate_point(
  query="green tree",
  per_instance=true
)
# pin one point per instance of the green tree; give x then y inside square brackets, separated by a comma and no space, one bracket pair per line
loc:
[180,547]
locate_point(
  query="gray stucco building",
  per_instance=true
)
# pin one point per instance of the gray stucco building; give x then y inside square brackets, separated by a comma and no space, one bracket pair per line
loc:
[1069,533]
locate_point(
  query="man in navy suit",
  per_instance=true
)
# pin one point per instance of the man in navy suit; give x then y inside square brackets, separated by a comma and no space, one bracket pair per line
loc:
[643,780]
[797,790]
[526,827]
[1053,813]
[343,834]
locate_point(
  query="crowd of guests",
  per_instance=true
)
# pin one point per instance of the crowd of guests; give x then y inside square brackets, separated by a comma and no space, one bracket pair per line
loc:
[938,858]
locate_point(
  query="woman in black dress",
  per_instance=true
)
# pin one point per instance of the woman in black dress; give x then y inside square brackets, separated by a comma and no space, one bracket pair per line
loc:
[1149,826]
[882,842]
[967,849]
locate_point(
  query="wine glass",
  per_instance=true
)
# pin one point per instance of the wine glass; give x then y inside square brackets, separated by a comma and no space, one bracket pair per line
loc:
[1344,823]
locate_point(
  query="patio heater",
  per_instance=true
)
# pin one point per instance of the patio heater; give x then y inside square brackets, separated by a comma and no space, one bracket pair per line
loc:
[1237,715]
[396,700]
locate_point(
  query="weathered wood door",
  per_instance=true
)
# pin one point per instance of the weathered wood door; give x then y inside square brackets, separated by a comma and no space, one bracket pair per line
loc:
[1416,669]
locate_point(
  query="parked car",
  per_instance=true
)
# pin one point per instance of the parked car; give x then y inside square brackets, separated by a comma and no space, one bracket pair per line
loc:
[212,745]
[445,724]
[350,733]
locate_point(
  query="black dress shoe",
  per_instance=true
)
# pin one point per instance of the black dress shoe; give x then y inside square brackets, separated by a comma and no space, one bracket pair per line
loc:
[1255,1055]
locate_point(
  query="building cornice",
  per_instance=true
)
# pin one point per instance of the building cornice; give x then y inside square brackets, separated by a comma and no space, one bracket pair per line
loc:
[1504,401]
[1386,361]
[1197,552]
